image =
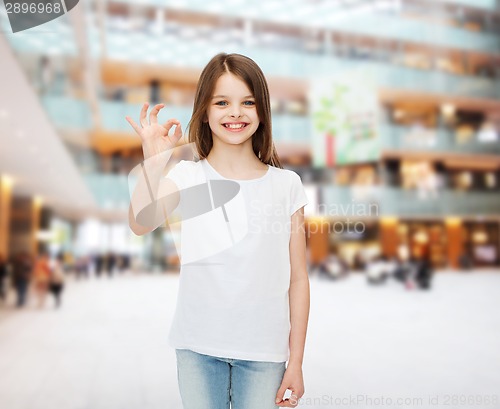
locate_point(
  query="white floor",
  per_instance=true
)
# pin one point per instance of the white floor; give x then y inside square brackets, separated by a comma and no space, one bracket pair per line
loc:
[367,347]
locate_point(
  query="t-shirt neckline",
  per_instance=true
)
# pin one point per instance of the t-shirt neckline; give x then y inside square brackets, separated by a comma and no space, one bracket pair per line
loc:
[204,160]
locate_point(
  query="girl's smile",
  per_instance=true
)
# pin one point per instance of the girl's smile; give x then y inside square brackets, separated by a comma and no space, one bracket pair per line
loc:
[235,126]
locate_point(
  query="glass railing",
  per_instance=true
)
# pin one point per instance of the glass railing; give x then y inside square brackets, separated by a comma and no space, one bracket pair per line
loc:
[384,74]
[483,4]
[113,115]
[111,192]
[68,113]
[392,76]
[398,27]
[443,202]
[431,140]
[358,201]
[290,128]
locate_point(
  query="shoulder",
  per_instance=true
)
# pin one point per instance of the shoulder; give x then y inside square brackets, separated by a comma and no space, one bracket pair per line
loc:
[287,175]
[183,167]
[186,173]
[187,164]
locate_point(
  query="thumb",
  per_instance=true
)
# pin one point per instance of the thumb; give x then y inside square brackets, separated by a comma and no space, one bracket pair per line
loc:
[281,393]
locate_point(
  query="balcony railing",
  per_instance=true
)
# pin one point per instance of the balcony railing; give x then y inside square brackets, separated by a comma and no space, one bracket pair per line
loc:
[484,4]
[373,201]
[111,191]
[431,140]
[352,202]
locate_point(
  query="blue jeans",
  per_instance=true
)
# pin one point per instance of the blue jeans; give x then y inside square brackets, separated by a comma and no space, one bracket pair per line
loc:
[209,382]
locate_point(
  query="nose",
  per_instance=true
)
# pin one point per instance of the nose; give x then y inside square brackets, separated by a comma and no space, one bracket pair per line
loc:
[235,111]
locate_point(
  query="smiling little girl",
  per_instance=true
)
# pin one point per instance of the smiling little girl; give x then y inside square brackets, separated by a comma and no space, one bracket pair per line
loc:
[243,301]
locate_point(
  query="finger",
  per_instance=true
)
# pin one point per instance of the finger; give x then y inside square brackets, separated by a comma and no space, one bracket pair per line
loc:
[290,402]
[280,393]
[170,123]
[134,125]
[177,133]
[153,115]
[144,111]
[286,403]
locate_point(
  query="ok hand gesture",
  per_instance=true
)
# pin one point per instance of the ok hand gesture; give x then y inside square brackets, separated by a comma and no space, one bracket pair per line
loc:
[154,136]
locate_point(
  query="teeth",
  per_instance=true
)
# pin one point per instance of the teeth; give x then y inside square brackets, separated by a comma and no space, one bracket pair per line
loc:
[234,126]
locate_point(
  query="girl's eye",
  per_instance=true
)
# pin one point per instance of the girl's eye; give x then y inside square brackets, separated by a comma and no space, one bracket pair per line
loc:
[249,103]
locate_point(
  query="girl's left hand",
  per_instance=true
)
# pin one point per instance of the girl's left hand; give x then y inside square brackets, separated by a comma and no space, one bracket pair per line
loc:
[293,380]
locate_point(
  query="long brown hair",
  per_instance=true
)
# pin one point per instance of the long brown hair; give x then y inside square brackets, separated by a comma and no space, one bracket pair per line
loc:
[250,73]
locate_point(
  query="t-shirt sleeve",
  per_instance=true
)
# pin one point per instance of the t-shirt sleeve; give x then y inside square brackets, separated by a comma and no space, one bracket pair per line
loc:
[298,197]
[180,174]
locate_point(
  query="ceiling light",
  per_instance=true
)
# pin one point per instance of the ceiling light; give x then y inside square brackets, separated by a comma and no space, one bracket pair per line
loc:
[448,110]
[480,237]
[456,221]
[399,113]
[421,237]
[7,181]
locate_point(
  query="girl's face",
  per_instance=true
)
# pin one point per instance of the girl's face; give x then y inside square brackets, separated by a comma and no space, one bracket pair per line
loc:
[232,114]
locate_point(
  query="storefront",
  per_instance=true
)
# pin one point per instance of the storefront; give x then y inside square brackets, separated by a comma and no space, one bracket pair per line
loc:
[448,243]
[481,243]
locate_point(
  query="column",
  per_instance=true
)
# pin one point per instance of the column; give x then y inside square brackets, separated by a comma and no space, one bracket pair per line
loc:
[389,236]
[5,205]
[36,207]
[454,236]
[317,230]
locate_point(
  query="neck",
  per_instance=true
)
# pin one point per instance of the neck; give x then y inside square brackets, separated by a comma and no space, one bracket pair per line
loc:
[234,158]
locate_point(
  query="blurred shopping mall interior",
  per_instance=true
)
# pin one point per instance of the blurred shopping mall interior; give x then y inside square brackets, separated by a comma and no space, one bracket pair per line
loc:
[389,110]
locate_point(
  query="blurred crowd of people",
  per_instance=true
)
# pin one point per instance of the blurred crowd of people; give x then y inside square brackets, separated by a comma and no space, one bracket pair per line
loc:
[45,276]
[413,273]
[42,275]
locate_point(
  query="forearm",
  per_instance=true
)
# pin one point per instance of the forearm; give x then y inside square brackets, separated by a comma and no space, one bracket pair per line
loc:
[146,186]
[149,174]
[149,188]
[299,297]
[138,229]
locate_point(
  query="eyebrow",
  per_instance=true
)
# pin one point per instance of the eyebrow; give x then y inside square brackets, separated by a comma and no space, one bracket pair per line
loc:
[225,96]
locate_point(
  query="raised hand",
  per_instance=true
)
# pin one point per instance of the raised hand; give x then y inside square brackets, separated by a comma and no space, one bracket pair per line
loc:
[154,136]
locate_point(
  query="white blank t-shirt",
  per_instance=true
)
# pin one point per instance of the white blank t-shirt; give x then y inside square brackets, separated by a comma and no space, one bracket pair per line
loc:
[235,267]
